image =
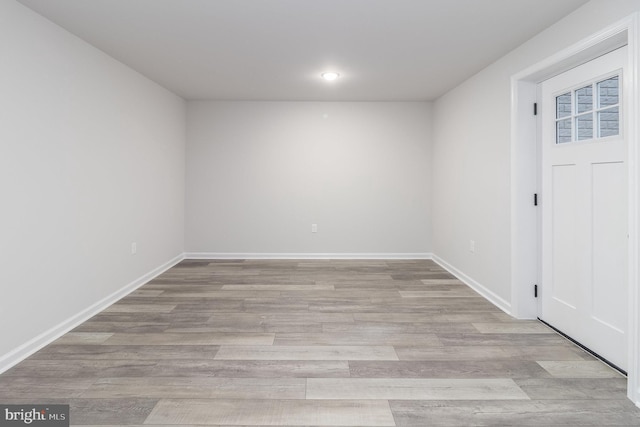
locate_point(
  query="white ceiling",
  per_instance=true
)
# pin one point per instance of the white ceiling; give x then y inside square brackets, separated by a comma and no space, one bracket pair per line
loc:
[276,49]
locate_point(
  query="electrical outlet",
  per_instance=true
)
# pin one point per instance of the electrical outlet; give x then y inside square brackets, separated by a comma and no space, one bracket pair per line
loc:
[134,248]
[472,246]
[314,228]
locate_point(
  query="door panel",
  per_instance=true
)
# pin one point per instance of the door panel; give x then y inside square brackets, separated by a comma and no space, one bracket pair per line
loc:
[584,206]
[566,277]
[609,243]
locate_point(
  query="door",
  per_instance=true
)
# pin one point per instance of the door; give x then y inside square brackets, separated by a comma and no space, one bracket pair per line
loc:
[584,206]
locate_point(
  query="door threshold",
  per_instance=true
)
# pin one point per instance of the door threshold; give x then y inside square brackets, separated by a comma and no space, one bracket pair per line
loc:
[587,349]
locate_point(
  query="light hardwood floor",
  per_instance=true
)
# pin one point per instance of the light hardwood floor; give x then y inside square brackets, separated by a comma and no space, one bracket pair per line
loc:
[317,343]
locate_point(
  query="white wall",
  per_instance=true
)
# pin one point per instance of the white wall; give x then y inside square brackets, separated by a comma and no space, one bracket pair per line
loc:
[260,173]
[91,160]
[471,151]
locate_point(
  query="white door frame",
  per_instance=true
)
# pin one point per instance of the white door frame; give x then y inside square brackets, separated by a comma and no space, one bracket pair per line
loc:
[524,174]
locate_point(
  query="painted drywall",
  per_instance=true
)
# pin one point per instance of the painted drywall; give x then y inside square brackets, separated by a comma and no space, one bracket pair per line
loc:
[259,174]
[91,160]
[471,152]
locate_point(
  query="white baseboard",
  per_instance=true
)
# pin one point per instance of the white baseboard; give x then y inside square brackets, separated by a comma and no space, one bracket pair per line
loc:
[366,255]
[496,300]
[17,355]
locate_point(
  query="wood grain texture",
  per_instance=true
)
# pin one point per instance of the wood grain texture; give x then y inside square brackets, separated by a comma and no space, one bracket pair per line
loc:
[83,338]
[273,412]
[198,387]
[447,369]
[219,338]
[301,352]
[578,369]
[316,343]
[522,327]
[140,308]
[413,389]
[536,413]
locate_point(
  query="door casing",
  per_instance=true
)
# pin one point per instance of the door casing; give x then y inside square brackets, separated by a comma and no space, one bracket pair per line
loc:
[524,175]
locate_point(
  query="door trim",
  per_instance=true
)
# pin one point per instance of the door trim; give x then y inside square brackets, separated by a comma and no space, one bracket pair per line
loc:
[524,175]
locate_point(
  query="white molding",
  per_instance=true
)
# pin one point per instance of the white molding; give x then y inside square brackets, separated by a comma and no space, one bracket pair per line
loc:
[607,40]
[20,353]
[633,136]
[303,255]
[524,183]
[524,267]
[492,297]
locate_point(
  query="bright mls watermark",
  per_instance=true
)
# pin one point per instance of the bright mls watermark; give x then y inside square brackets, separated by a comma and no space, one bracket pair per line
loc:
[34,415]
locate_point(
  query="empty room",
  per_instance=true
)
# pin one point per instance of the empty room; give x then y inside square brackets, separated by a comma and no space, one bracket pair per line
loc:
[320,213]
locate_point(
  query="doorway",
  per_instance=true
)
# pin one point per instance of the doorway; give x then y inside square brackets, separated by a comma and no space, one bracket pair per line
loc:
[524,175]
[583,206]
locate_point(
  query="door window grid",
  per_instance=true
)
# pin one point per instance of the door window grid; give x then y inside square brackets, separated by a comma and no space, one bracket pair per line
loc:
[581,116]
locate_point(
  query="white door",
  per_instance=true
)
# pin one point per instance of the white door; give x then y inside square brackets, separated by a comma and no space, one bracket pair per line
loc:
[584,206]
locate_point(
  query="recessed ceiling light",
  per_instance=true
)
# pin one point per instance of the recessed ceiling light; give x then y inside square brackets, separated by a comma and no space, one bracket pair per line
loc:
[330,75]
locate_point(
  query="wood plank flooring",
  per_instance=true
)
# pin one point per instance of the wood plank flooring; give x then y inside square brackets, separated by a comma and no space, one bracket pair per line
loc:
[316,343]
